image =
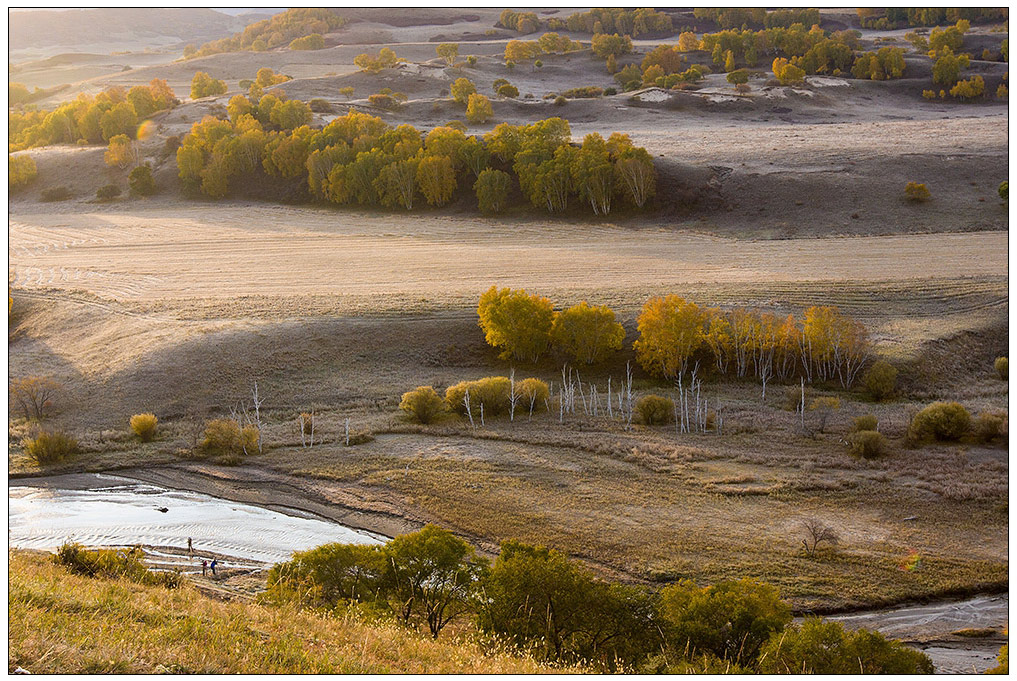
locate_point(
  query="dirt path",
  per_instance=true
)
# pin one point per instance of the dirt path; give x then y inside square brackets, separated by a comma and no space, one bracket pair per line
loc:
[262,250]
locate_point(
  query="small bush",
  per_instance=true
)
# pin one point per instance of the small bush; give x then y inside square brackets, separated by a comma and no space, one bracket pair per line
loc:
[423,404]
[916,193]
[471,60]
[610,91]
[507,90]
[493,392]
[225,437]
[533,392]
[989,426]
[319,105]
[866,422]
[140,181]
[1002,366]
[107,192]
[653,410]
[383,101]
[50,446]
[867,444]
[113,564]
[880,380]
[588,92]
[144,426]
[560,100]
[60,193]
[940,421]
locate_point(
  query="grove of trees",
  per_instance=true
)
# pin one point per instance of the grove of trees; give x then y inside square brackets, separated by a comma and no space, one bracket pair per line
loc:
[634,22]
[277,31]
[525,326]
[359,159]
[538,600]
[90,120]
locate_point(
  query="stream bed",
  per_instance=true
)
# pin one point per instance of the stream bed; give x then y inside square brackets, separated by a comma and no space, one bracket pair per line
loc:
[108,510]
[114,511]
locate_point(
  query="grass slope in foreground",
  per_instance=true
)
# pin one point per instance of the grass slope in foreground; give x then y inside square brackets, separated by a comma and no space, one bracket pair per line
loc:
[66,624]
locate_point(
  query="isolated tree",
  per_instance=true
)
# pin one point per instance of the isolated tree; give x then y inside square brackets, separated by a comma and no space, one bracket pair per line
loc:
[688,41]
[587,333]
[34,396]
[817,532]
[121,152]
[140,181]
[604,45]
[462,88]
[670,332]
[478,109]
[346,92]
[739,77]
[204,85]
[448,52]
[492,189]
[517,323]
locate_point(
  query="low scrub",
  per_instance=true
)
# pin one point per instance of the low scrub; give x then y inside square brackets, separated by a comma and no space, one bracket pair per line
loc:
[867,444]
[51,446]
[940,421]
[225,437]
[144,426]
[880,380]
[990,427]
[587,92]
[107,192]
[916,192]
[533,395]
[52,194]
[423,404]
[652,410]
[113,564]
[492,392]
[866,422]
[1002,367]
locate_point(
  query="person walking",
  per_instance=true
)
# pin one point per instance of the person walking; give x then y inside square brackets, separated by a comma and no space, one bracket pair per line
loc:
[204,568]
[190,547]
[215,561]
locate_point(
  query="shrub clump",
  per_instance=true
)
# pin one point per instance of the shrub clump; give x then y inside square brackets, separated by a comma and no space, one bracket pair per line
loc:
[144,426]
[587,92]
[880,381]
[508,90]
[1002,367]
[52,194]
[51,446]
[654,410]
[867,444]
[940,421]
[866,422]
[140,181]
[113,564]
[227,438]
[107,192]
[492,392]
[423,404]
[989,426]
[916,192]
[533,394]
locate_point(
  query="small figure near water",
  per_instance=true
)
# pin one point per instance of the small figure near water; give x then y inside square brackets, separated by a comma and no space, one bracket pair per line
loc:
[204,568]
[190,547]
[215,561]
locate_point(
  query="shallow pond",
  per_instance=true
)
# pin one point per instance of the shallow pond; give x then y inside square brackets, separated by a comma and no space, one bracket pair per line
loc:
[107,510]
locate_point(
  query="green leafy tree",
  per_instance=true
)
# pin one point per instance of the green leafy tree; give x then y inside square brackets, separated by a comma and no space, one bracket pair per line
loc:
[731,619]
[948,66]
[593,174]
[492,189]
[819,647]
[290,114]
[140,181]
[397,183]
[604,45]
[119,120]
[517,323]
[432,575]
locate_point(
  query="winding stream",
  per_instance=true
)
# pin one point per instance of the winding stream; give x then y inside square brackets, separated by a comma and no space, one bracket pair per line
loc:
[109,510]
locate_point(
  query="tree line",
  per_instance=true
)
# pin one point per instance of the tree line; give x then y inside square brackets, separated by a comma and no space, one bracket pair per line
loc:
[677,336]
[634,22]
[884,18]
[359,159]
[538,600]
[90,120]
[280,29]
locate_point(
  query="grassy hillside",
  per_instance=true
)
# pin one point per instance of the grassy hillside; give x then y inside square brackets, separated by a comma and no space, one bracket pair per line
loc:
[65,624]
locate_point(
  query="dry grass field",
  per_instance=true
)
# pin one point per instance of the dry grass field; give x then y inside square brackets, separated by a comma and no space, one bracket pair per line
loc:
[781,200]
